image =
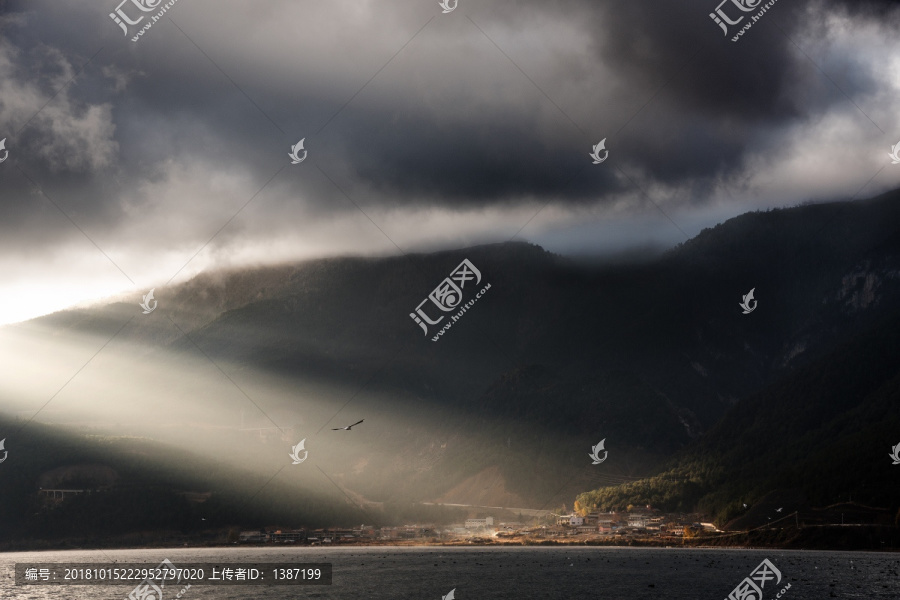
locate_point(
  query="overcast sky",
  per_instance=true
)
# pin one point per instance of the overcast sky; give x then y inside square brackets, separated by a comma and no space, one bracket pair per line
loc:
[133,163]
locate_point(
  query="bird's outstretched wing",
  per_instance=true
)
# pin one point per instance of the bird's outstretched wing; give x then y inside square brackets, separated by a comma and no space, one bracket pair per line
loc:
[357,423]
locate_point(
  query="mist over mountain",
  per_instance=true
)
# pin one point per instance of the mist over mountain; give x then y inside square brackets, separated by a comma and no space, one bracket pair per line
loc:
[655,357]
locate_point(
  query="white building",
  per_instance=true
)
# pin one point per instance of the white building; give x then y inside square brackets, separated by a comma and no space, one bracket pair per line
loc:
[639,521]
[479,523]
[570,520]
[252,536]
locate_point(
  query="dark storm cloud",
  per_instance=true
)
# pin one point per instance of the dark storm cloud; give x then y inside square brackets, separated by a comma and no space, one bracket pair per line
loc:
[461,163]
[451,121]
[492,108]
[695,105]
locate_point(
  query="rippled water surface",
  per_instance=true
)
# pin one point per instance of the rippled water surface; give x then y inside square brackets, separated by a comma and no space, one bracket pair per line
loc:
[520,573]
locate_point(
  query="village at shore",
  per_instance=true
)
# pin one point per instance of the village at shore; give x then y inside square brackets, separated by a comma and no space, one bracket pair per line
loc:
[638,525]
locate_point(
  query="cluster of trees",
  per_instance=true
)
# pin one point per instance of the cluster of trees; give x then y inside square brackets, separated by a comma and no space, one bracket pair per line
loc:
[671,491]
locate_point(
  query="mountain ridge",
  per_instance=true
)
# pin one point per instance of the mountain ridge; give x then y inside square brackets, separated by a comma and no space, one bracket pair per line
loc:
[651,356]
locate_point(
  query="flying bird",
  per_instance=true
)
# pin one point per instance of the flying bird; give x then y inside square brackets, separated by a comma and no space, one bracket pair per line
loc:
[348,428]
[779,509]
[745,506]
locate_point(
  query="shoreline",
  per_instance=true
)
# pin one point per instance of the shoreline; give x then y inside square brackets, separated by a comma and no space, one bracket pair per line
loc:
[667,544]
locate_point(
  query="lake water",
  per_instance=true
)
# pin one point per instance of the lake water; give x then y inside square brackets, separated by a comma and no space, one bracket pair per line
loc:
[520,573]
